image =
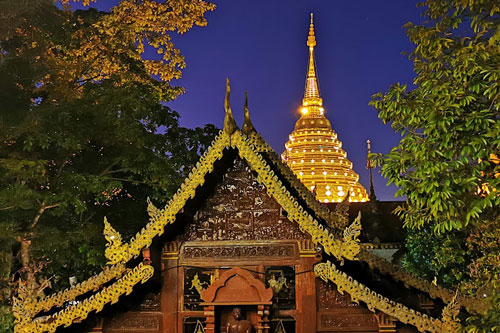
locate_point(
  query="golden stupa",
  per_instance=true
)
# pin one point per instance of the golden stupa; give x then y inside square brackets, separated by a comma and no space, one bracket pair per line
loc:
[313,151]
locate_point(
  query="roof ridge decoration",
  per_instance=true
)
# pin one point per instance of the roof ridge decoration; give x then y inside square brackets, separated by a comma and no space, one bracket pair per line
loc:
[30,308]
[374,301]
[79,311]
[117,252]
[435,291]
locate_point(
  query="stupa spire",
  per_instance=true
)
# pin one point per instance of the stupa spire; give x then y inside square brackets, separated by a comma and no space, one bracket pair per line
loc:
[311,92]
[313,151]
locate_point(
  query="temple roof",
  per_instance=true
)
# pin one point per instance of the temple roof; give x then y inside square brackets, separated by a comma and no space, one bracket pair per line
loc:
[337,238]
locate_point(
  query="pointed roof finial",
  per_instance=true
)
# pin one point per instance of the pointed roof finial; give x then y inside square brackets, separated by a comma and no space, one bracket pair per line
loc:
[229,123]
[247,123]
[311,39]
[369,166]
[311,93]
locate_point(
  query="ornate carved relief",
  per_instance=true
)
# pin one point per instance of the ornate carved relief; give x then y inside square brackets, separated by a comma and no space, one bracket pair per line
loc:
[238,251]
[151,302]
[135,321]
[241,209]
[329,297]
[343,321]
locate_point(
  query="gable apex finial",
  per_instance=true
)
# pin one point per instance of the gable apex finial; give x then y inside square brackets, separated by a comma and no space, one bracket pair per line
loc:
[229,123]
[247,123]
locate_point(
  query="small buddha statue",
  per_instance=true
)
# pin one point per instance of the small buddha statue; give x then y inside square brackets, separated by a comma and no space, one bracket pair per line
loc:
[238,325]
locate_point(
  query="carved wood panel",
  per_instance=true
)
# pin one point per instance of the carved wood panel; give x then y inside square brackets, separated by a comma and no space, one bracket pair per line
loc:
[347,322]
[134,322]
[330,298]
[238,251]
[151,302]
[241,209]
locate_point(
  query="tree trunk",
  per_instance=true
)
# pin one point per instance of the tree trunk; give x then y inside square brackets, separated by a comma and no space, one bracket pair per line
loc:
[28,270]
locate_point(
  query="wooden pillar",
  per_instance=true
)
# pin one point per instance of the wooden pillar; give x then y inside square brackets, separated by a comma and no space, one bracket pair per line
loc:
[306,288]
[209,313]
[169,292]
[266,318]
[386,324]
[260,319]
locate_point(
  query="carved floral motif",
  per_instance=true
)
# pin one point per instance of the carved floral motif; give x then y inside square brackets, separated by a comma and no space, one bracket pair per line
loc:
[237,251]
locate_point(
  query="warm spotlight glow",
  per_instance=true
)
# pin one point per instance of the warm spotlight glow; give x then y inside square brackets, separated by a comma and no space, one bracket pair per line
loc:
[304,111]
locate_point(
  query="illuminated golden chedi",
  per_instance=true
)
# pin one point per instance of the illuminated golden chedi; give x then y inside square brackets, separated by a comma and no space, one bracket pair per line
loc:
[313,151]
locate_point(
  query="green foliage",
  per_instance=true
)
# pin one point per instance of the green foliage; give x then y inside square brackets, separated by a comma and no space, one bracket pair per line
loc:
[442,257]
[450,120]
[6,319]
[84,132]
[446,162]
[7,240]
[484,243]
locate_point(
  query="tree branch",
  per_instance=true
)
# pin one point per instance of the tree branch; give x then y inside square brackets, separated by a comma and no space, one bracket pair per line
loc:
[42,209]
[106,171]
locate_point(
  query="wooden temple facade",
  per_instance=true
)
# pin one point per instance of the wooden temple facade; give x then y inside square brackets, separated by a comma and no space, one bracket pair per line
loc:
[242,231]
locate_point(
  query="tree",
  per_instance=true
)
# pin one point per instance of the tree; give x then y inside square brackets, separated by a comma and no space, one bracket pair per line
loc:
[446,162]
[83,131]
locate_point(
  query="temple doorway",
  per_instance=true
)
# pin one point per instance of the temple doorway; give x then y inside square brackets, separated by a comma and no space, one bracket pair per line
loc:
[235,298]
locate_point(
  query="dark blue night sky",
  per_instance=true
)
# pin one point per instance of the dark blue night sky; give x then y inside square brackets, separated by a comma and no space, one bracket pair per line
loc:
[261,46]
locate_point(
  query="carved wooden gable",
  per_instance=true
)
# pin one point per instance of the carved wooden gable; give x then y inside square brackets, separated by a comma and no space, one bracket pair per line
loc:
[241,209]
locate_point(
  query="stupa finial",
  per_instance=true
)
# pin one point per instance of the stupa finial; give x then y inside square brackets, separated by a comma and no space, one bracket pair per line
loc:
[311,39]
[229,123]
[311,93]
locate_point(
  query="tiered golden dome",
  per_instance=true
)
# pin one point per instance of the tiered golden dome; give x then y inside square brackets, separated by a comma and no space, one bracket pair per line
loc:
[313,150]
